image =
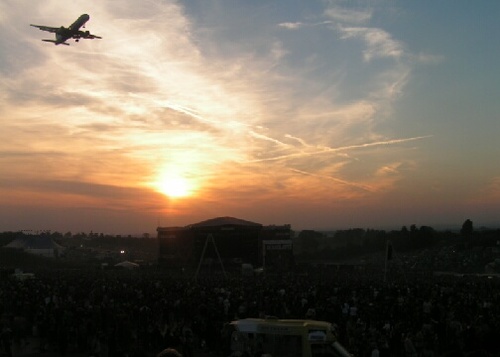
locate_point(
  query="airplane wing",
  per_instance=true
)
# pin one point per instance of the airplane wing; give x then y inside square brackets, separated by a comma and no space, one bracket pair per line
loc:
[56,42]
[46,28]
[85,35]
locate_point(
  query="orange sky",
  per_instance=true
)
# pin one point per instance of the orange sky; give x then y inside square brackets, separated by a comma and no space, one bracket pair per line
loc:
[186,111]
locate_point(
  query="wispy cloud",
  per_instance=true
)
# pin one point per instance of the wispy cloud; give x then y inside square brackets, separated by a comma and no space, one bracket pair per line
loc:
[426,58]
[380,44]
[299,25]
[164,93]
[291,25]
[350,16]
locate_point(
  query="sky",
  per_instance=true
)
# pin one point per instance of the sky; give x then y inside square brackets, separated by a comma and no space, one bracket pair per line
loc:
[319,114]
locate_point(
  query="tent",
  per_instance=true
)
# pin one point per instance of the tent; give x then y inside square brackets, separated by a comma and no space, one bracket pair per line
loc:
[127,265]
[40,245]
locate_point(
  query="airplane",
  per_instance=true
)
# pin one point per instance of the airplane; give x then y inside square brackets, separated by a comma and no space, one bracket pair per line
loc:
[65,33]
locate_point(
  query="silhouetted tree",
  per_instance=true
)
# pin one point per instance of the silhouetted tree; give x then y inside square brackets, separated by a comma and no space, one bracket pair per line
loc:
[467,227]
[426,236]
[309,241]
[57,235]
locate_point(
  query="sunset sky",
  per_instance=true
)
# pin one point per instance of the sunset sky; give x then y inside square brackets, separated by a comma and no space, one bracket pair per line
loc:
[318,114]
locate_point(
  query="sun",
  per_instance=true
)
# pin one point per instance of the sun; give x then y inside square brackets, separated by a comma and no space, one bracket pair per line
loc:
[174,186]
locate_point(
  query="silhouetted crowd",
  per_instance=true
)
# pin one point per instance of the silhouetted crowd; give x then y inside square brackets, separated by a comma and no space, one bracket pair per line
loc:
[142,312]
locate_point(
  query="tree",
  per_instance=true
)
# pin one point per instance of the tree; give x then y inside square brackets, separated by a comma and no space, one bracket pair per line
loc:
[309,241]
[467,228]
[413,228]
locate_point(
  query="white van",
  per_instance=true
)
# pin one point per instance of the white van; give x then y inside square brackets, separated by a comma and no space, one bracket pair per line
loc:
[272,337]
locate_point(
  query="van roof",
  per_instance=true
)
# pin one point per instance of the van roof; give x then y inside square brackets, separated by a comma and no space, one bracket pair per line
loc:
[275,324]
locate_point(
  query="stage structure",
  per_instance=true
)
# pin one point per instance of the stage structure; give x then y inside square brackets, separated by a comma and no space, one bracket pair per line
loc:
[277,255]
[210,239]
[225,243]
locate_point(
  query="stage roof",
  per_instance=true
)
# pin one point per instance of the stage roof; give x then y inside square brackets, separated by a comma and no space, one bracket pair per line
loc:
[224,221]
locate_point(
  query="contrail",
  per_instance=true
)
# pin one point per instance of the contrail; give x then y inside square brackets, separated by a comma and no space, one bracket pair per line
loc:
[301,141]
[356,185]
[188,111]
[267,138]
[327,149]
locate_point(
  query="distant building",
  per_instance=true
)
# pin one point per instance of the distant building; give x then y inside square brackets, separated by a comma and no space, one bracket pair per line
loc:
[235,240]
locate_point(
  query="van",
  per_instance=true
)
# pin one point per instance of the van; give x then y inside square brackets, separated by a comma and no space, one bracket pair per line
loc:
[273,337]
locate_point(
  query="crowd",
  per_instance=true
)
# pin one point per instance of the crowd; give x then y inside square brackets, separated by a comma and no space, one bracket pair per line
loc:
[140,313]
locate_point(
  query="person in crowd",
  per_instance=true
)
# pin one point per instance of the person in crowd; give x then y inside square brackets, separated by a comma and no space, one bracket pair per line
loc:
[118,314]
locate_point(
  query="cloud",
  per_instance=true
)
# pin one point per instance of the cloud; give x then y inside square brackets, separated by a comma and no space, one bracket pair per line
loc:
[426,58]
[300,25]
[163,92]
[380,44]
[349,16]
[291,25]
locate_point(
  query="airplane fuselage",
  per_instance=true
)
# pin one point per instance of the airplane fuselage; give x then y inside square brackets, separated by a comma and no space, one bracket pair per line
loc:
[65,33]
[79,22]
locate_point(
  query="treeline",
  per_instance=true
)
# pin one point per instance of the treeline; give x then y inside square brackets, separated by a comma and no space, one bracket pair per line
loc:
[358,241]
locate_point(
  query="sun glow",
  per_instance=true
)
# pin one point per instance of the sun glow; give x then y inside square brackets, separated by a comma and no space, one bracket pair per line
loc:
[175,186]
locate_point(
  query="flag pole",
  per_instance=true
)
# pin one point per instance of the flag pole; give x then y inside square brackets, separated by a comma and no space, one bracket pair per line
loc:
[388,256]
